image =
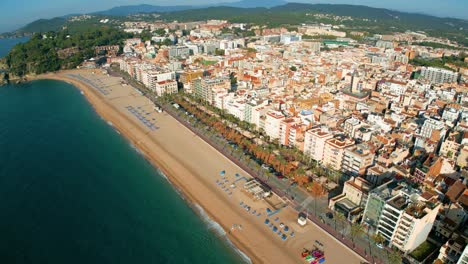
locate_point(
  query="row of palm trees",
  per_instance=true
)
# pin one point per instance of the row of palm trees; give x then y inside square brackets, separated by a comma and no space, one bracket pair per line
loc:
[287,161]
[290,162]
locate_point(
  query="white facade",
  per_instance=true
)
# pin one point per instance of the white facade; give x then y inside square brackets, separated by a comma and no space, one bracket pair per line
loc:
[464,257]
[314,142]
[437,75]
[272,124]
[406,222]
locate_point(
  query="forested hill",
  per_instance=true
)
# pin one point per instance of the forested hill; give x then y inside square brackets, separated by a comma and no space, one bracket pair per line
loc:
[53,51]
[372,20]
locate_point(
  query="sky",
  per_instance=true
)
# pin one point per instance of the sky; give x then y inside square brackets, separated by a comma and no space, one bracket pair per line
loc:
[17,13]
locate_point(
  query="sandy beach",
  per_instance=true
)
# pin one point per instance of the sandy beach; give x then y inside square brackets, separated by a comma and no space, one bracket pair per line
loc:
[193,166]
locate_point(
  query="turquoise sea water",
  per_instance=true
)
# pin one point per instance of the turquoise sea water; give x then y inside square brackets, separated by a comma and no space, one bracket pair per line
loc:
[7,44]
[72,190]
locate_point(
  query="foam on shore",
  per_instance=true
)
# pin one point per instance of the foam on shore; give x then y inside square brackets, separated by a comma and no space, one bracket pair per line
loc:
[218,230]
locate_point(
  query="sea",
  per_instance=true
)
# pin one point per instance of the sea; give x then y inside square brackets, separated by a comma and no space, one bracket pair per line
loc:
[73,190]
[8,43]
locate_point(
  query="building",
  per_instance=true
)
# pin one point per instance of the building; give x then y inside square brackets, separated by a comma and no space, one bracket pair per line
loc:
[353,199]
[437,75]
[288,38]
[406,220]
[166,87]
[432,130]
[464,257]
[314,142]
[449,147]
[351,125]
[179,52]
[376,201]
[384,44]
[452,250]
[450,114]
[285,130]
[357,159]
[333,152]
[272,124]
[205,88]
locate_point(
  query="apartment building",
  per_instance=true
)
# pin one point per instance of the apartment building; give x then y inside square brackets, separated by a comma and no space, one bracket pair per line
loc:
[178,51]
[154,78]
[314,142]
[406,220]
[451,252]
[285,130]
[464,257]
[450,114]
[272,124]
[351,125]
[357,159]
[432,129]
[437,75]
[206,88]
[449,147]
[333,152]
[166,87]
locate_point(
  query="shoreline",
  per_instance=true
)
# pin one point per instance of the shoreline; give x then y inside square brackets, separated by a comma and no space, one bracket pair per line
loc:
[183,192]
[191,179]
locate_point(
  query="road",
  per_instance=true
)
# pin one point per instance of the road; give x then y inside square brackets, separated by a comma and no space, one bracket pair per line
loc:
[315,207]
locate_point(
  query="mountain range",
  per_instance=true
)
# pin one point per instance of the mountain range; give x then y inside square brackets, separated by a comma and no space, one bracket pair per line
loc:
[138,9]
[278,12]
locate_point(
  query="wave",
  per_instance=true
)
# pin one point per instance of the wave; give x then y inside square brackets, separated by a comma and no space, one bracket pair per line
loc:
[136,149]
[218,230]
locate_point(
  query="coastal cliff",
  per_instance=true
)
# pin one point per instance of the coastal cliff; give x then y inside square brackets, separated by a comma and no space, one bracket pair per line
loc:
[3,73]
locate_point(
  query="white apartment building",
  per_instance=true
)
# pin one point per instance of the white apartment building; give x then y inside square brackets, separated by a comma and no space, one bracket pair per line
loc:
[333,152]
[437,75]
[314,142]
[258,112]
[450,114]
[272,124]
[351,125]
[236,108]
[406,220]
[464,257]
[430,125]
[357,159]
[166,87]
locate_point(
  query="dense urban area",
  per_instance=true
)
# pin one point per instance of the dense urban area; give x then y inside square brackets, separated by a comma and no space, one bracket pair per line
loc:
[367,130]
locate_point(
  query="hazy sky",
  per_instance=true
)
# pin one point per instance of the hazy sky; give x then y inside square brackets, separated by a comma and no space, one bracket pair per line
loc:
[16,13]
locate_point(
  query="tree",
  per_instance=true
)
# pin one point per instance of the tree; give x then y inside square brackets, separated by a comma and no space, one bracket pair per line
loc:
[293,68]
[356,230]
[394,257]
[340,218]
[219,52]
[378,238]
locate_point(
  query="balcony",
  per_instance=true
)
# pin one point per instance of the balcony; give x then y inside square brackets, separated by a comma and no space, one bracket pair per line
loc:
[386,228]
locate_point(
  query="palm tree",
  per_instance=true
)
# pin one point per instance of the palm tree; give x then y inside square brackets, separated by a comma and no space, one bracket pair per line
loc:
[356,230]
[341,218]
[395,257]
[282,164]
[378,238]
